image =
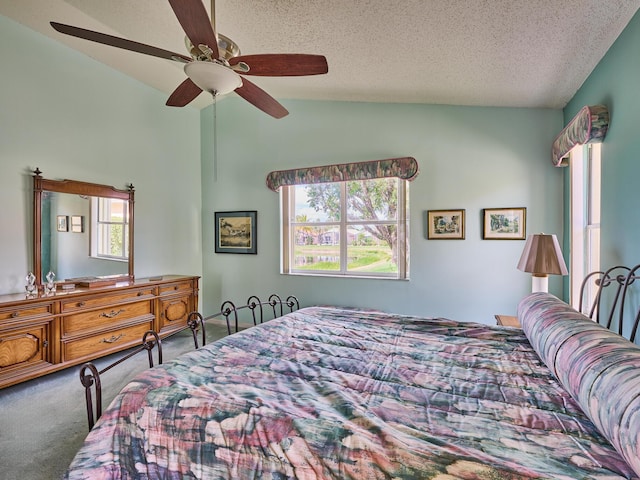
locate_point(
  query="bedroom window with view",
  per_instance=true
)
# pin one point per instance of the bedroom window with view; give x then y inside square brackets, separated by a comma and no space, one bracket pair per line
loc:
[109,232]
[352,228]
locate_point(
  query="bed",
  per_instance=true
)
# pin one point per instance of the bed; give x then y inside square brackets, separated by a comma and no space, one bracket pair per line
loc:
[329,392]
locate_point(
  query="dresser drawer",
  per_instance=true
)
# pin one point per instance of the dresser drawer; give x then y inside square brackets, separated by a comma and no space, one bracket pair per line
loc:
[25,312]
[25,345]
[175,288]
[174,312]
[102,318]
[102,300]
[105,342]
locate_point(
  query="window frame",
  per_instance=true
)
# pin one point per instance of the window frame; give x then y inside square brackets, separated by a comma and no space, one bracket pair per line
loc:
[585,172]
[97,239]
[288,224]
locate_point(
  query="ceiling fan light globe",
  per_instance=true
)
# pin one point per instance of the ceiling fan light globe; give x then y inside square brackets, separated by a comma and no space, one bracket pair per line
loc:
[213,77]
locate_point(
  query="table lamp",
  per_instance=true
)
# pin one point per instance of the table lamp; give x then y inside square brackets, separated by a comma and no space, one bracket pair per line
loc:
[542,257]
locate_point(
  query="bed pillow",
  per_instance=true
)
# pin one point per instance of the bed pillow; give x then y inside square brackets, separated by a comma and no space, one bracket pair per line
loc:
[599,368]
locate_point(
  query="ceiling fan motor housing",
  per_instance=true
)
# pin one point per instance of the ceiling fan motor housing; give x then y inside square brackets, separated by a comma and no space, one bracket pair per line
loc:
[227,48]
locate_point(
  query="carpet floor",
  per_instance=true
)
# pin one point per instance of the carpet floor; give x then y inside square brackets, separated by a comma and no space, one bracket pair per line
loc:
[43,422]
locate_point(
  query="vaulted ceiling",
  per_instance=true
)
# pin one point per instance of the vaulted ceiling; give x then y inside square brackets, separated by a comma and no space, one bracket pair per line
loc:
[515,53]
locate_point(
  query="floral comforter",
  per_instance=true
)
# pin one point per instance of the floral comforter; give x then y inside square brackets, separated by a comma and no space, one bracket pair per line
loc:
[329,393]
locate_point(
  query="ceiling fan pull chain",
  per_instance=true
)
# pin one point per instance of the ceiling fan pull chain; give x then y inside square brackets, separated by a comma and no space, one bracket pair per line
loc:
[215,138]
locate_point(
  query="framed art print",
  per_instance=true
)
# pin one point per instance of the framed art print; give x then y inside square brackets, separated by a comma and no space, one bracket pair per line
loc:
[445,224]
[504,223]
[62,223]
[236,232]
[77,223]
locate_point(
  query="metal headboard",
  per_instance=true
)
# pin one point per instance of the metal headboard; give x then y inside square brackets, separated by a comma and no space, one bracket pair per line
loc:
[612,303]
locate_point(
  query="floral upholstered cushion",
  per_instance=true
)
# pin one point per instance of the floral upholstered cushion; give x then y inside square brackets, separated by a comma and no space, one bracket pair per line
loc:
[599,368]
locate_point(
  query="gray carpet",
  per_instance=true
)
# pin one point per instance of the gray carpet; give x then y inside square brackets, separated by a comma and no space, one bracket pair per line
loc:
[43,422]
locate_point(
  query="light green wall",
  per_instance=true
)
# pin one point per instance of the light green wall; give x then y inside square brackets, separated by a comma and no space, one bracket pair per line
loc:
[75,118]
[614,82]
[469,157]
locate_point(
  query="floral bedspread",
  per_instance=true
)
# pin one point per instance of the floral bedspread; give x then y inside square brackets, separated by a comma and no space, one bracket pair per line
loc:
[346,394]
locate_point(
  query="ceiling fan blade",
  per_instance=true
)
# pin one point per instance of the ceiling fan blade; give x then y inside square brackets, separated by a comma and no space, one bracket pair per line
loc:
[118,42]
[261,99]
[283,64]
[195,22]
[184,94]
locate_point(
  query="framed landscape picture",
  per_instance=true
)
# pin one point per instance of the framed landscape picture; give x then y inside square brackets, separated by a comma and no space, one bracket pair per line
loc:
[504,223]
[445,224]
[236,232]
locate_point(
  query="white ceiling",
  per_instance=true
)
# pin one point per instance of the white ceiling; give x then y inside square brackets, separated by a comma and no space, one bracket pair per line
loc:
[516,53]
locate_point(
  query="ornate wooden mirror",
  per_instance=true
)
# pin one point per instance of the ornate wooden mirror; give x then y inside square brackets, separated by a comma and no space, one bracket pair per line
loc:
[81,229]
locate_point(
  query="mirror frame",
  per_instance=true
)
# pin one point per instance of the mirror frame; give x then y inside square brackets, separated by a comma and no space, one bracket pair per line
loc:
[79,188]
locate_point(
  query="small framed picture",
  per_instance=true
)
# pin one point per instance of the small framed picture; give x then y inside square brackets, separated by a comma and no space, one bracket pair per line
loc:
[63,223]
[504,223]
[77,223]
[236,232]
[445,224]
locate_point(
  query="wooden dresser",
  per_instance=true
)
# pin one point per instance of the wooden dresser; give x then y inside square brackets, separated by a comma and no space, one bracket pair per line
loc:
[44,334]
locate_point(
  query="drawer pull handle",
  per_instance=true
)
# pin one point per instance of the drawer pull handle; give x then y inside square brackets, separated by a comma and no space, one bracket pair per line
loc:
[15,314]
[112,314]
[113,339]
[175,288]
[140,294]
[81,304]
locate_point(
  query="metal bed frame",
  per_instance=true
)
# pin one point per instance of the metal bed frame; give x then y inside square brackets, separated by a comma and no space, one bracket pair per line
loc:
[228,308]
[90,376]
[615,297]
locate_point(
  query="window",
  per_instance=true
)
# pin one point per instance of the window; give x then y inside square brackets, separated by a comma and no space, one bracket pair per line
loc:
[110,228]
[585,216]
[353,228]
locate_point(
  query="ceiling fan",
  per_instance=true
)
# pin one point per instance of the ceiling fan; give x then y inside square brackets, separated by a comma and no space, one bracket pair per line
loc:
[214,63]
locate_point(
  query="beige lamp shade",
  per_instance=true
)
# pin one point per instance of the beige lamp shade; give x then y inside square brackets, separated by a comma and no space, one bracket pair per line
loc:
[542,256]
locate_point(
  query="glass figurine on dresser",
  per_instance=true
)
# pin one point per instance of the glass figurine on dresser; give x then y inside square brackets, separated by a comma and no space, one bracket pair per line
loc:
[30,286]
[50,286]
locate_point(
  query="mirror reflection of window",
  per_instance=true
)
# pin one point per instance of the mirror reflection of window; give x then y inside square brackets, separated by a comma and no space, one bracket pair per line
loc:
[110,228]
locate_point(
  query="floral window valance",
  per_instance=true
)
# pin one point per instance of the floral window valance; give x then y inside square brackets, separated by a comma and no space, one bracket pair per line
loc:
[588,126]
[403,167]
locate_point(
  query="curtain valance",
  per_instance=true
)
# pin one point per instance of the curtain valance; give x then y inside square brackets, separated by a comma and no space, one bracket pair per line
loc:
[403,167]
[588,126]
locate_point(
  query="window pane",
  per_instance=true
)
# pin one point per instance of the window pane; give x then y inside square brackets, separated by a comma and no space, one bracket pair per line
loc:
[594,172]
[112,210]
[126,241]
[316,248]
[346,228]
[112,242]
[369,249]
[372,199]
[317,203]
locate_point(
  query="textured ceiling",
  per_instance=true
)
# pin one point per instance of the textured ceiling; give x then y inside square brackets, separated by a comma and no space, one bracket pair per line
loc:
[520,53]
